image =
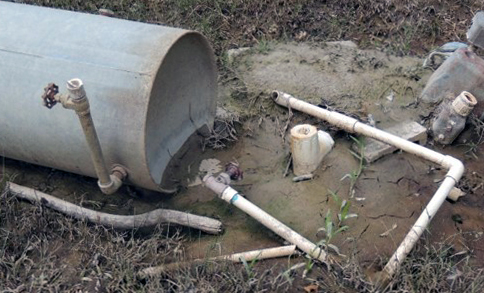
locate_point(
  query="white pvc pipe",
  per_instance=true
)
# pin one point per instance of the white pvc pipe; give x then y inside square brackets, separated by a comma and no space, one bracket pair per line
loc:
[248,256]
[455,167]
[258,254]
[231,196]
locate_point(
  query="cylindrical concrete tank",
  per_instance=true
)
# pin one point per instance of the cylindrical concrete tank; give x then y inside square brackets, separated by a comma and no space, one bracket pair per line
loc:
[150,87]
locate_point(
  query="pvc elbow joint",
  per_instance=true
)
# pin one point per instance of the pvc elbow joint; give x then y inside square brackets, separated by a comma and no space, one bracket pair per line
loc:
[455,166]
[117,176]
[112,186]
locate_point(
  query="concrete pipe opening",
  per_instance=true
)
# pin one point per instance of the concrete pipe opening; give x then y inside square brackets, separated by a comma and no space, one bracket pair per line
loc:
[181,86]
[150,88]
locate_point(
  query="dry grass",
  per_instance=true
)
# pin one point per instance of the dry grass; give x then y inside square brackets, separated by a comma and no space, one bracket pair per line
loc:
[224,131]
[428,268]
[402,27]
[41,250]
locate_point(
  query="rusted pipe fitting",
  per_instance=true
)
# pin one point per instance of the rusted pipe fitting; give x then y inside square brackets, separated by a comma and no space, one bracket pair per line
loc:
[119,171]
[234,171]
[112,186]
[81,106]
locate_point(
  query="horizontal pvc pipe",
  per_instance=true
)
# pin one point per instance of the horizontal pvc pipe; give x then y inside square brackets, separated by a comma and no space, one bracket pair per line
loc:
[258,254]
[231,196]
[455,167]
[247,256]
[354,126]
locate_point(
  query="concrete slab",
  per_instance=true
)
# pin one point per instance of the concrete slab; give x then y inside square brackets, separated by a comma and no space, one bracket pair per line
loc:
[409,130]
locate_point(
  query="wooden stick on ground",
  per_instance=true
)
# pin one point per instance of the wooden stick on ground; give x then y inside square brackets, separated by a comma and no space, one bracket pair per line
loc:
[152,218]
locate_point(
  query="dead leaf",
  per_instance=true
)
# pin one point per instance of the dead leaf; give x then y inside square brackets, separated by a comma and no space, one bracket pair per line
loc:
[311,288]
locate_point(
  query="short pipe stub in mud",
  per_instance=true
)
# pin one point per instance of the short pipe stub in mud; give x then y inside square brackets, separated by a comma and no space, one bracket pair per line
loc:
[308,147]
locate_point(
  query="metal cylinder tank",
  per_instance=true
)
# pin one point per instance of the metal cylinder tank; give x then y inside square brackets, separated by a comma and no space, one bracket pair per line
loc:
[150,87]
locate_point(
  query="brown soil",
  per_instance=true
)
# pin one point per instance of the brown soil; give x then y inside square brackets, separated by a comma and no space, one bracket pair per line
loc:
[392,190]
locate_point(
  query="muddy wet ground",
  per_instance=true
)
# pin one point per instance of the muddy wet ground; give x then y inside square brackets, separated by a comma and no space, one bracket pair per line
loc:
[390,192]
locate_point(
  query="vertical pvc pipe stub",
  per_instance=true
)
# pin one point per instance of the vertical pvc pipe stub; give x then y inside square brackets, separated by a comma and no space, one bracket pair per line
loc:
[308,147]
[76,88]
[303,131]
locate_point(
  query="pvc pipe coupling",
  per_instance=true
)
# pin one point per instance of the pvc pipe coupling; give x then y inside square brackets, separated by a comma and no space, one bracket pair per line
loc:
[76,88]
[464,103]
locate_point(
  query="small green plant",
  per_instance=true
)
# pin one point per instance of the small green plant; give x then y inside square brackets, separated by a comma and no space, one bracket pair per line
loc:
[344,212]
[224,59]
[331,229]
[249,266]
[408,36]
[287,273]
[355,174]
[263,46]
[308,267]
[344,207]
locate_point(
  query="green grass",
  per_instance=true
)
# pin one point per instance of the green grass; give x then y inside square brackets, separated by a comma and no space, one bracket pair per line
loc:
[353,175]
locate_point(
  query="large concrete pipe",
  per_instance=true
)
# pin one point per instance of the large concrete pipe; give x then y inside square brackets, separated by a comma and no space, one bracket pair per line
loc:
[150,87]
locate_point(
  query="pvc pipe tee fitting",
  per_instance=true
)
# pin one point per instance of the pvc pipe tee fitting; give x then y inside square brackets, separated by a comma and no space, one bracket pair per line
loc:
[308,148]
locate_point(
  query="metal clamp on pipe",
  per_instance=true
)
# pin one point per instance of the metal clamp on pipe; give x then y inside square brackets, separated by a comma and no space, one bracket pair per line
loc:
[76,99]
